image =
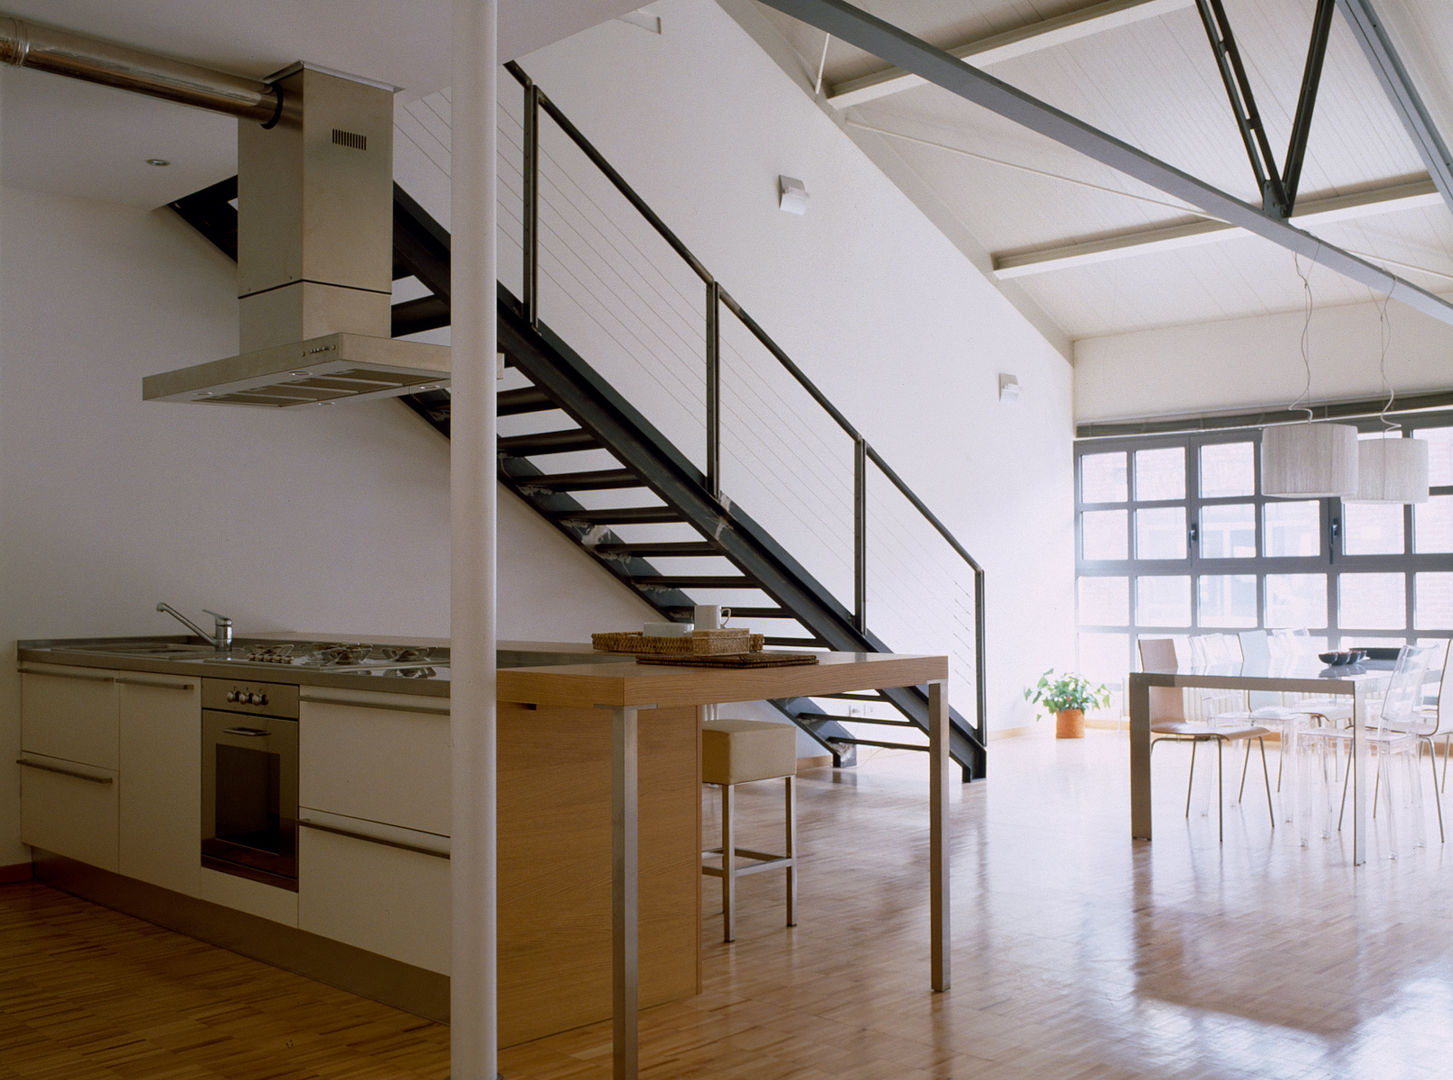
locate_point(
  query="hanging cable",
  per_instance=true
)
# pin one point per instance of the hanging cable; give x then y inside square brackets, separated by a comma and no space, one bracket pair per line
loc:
[1384,336]
[1306,394]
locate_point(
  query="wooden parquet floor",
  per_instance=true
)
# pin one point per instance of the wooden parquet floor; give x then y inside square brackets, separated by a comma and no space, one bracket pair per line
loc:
[1077,956]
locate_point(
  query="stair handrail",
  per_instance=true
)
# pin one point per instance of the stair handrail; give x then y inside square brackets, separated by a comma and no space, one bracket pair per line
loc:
[536,101]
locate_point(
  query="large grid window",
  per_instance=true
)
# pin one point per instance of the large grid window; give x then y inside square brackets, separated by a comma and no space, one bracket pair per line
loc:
[1175,537]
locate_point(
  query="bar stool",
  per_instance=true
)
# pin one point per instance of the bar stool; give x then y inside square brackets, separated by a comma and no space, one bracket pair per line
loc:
[735,751]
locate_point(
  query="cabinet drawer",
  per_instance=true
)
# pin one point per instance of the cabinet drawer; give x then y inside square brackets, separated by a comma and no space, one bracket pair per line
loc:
[69,713]
[377,896]
[68,809]
[379,757]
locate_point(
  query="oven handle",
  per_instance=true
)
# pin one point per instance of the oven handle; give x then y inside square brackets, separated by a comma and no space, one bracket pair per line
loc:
[247,732]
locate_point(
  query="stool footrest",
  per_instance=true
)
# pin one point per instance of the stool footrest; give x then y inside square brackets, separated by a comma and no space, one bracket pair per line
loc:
[764,861]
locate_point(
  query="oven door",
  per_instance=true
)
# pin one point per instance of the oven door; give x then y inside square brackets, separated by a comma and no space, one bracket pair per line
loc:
[250,796]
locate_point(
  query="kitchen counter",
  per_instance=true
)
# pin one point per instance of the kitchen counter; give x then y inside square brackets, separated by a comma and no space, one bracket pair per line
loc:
[598,775]
[181,655]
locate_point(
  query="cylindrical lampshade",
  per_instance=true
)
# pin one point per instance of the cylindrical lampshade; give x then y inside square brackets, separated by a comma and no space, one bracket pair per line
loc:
[1392,470]
[1309,460]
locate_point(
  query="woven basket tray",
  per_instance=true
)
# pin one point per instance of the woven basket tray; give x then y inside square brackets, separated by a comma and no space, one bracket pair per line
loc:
[696,643]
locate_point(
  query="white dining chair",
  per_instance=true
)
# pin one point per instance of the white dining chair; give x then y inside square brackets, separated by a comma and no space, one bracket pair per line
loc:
[1169,723]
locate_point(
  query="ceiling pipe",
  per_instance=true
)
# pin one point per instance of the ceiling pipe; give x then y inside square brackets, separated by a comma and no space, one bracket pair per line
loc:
[61,52]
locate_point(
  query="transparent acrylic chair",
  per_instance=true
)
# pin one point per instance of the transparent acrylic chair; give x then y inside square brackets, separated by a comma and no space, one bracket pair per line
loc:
[1395,737]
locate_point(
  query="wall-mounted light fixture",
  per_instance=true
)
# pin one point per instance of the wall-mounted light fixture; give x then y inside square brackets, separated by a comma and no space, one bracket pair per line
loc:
[791,195]
[1008,387]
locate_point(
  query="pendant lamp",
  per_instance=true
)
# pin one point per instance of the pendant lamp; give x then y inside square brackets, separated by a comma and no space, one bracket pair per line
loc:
[1392,469]
[1307,460]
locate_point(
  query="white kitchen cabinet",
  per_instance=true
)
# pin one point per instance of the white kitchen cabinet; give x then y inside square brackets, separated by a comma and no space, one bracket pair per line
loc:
[160,753]
[379,888]
[68,759]
[379,757]
[69,713]
[373,783]
[68,808]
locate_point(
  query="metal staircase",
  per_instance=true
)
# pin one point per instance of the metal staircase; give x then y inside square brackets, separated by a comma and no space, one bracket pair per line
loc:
[601,472]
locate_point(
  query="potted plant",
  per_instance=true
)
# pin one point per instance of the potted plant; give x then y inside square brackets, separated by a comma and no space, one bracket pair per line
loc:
[1067,696]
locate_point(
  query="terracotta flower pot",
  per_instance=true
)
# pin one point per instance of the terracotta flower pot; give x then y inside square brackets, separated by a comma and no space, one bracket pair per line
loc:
[1069,724]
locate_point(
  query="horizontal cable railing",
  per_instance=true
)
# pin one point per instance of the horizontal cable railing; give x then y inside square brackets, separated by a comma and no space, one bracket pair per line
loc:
[602,268]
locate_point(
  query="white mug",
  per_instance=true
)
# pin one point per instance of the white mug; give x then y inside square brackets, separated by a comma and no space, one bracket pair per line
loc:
[711,616]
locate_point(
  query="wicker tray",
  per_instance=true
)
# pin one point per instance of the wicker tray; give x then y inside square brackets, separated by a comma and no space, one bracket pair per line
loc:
[696,643]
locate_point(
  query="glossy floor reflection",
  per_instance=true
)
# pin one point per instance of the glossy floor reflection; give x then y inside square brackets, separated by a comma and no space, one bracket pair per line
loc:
[1077,953]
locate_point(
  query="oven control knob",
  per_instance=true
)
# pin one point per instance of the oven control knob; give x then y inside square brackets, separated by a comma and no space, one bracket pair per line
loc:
[257,699]
[232,695]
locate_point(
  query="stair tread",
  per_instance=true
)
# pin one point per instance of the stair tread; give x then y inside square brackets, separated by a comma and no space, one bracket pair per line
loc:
[698,581]
[882,721]
[548,442]
[624,515]
[527,399]
[587,480]
[648,548]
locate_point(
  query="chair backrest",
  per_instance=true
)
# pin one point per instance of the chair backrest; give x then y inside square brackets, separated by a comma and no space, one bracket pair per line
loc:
[1443,710]
[1255,645]
[1159,654]
[1405,692]
[1256,651]
[1290,644]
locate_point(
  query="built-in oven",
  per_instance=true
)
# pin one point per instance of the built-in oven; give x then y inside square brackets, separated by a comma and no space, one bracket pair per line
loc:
[250,780]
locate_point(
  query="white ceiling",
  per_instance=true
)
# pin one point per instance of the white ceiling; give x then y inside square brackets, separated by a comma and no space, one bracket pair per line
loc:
[74,138]
[1152,82]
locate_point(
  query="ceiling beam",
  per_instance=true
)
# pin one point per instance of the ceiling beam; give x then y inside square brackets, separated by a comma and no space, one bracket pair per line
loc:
[898,47]
[1368,30]
[1062,29]
[1043,260]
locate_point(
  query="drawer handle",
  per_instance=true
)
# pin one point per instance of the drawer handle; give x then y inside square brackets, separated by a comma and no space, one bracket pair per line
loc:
[316,700]
[157,684]
[246,732]
[392,838]
[75,774]
[67,675]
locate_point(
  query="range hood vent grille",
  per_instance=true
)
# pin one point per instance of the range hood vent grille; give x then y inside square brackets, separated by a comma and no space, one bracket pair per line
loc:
[317,371]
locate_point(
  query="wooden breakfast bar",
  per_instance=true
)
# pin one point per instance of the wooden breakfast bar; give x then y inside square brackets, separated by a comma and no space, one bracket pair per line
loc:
[622,690]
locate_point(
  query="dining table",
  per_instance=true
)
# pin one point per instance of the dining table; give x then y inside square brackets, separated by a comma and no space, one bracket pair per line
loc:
[1358,682]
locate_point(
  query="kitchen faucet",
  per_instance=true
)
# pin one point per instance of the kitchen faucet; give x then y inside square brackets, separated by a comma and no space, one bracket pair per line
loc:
[220,639]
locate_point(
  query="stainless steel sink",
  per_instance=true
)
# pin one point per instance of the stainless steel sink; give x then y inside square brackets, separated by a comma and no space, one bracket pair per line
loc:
[167,650]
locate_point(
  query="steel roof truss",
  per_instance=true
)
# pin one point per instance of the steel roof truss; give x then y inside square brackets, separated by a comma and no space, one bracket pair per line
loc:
[1368,30]
[898,47]
[1243,105]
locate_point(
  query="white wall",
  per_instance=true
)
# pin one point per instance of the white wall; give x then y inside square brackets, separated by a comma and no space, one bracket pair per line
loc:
[881,311]
[332,520]
[1257,362]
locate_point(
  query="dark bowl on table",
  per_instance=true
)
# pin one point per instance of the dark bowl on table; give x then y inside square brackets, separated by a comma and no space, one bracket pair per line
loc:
[1340,657]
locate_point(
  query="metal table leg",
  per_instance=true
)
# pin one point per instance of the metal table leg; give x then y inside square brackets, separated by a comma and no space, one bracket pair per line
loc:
[1139,758]
[938,860]
[624,911]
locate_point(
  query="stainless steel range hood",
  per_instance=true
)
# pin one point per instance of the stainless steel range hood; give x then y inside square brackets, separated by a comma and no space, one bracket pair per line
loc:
[314,257]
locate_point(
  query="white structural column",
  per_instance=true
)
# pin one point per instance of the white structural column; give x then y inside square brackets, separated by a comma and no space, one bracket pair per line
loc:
[473,1033]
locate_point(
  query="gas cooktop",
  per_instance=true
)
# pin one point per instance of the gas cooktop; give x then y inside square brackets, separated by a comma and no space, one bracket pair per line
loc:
[353,658]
